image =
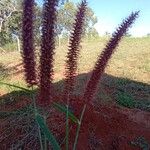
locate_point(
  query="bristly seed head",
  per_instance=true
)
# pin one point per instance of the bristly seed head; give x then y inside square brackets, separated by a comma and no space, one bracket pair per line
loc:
[103,59]
[47,51]
[73,52]
[28,42]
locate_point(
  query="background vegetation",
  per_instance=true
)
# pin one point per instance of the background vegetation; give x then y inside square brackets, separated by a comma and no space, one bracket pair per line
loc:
[10,23]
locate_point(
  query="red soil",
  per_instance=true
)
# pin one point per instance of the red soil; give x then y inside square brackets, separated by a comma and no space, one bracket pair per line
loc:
[112,127]
[104,127]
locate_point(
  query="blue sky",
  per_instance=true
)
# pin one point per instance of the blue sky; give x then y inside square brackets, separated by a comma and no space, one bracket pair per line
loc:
[111,12]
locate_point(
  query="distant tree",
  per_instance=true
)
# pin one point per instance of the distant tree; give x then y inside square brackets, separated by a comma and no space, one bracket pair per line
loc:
[128,34]
[11,13]
[148,35]
[92,33]
[66,15]
[7,10]
[10,21]
[90,20]
[107,33]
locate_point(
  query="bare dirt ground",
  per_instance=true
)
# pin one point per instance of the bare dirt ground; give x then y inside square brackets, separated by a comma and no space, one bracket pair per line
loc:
[103,127]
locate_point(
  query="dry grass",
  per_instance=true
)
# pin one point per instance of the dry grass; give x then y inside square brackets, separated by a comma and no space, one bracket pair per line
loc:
[131,60]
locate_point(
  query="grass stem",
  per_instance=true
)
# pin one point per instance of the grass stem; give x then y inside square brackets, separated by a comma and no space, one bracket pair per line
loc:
[78,128]
[67,124]
[35,113]
[45,140]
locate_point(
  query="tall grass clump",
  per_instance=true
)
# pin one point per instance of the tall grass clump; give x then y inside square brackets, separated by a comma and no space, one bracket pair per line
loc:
[43,79]
[72,58]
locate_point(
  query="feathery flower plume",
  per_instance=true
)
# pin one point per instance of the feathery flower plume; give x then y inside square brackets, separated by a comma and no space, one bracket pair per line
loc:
[28,42]
[47,51]
[73,51]
[105,56]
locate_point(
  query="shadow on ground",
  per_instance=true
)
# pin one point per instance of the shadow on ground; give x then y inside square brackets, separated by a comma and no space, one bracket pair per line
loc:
[111,89]
[105,126]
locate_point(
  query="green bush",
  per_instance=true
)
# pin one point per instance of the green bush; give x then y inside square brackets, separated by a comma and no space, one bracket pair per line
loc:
[126,100]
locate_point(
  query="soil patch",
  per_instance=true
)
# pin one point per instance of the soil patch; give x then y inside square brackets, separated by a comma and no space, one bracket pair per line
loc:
[106,127]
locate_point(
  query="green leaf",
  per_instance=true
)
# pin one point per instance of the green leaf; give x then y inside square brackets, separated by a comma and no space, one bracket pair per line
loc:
[63,109]
[47,132]
[15,86]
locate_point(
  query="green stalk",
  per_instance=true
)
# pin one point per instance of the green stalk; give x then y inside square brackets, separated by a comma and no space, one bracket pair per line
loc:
[40,138]
[45,141]
[34,103]
[78,128]
[67,124]
[35,113]
[67,129]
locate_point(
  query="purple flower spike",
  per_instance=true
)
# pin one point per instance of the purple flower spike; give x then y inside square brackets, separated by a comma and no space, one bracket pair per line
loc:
[73,52]
[28,42]
[105,56]
[47,51]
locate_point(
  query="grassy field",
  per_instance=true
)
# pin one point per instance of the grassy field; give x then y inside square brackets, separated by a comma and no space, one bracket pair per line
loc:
[130,62]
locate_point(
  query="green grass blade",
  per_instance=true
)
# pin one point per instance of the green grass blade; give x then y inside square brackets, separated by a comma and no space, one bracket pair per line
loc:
[47,132]
[63,109]
[15,86]
[78,128]
[67,128]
